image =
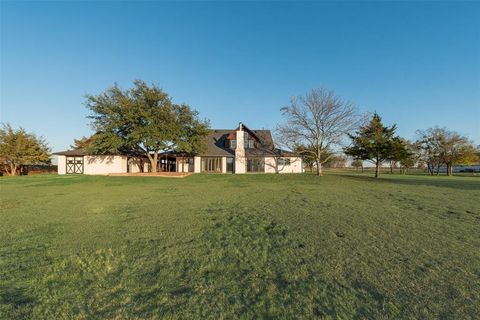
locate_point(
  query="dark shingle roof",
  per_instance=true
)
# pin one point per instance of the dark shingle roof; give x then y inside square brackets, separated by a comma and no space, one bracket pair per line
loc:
[77,152]
[216,144]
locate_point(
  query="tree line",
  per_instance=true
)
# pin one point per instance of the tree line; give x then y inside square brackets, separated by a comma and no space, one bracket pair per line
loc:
[144,121]
[320,122]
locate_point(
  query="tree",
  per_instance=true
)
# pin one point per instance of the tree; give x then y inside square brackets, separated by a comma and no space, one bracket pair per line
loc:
[429,148]
[336,161]
[308,159]
[357,164]
[374,142]
[143,120]
[81,143]
[410,157]
[19,148]
[399,152]
[318,121]
[456,149]
[440,146]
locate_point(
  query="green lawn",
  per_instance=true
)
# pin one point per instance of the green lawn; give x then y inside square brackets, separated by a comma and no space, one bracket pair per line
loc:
[240,246]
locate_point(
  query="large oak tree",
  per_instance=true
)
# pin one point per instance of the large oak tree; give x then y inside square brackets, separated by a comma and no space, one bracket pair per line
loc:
[143,120]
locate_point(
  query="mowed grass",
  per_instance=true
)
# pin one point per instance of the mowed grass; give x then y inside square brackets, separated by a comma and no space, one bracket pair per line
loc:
[343,246]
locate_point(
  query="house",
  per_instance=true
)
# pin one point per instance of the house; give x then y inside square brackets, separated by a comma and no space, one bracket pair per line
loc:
[239,150]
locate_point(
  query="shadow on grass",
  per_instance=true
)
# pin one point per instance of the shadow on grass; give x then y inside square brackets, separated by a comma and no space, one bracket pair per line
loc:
[16,302]
[440,182]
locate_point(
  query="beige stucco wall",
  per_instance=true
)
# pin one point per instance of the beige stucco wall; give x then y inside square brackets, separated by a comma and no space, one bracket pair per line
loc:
[182,165]
[104,164]
[294,167]
[62,164]
[135,165]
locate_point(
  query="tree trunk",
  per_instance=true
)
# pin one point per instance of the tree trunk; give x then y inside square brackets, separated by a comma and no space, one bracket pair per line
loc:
[391,167]
[13,169]
[319,168]
[449,169]
[377,169]
[154,162]
[362,168]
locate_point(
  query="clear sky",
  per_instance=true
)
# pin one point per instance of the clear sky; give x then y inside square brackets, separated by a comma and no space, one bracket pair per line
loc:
[416,64]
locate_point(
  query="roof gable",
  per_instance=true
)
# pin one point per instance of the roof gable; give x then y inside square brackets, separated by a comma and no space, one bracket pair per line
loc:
[216,145]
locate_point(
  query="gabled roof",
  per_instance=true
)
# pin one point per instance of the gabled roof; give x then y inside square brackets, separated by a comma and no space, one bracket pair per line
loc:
[216,146]
[76,152]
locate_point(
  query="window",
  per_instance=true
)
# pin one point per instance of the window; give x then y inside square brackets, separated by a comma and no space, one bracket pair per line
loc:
[255,165]
[251,144]
[283,161]
[230,165]
[233,144]
[212,164]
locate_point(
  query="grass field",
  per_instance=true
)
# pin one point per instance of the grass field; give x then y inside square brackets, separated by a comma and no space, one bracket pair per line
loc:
[240,246]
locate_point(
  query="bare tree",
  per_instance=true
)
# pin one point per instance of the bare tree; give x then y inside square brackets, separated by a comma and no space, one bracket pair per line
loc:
[319,121]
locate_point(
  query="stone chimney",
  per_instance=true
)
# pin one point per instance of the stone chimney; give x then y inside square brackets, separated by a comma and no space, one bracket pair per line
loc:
[240,160]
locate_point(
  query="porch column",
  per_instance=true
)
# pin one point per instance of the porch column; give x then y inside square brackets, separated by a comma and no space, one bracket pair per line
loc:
[197,162]
[224,164]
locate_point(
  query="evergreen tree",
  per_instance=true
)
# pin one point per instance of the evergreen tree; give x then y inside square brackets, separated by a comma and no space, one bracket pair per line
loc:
[373,142]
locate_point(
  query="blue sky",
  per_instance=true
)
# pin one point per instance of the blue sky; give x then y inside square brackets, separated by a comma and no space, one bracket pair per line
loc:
[416,64]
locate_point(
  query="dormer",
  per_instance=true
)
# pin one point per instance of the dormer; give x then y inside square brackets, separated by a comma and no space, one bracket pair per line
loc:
[250,140]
